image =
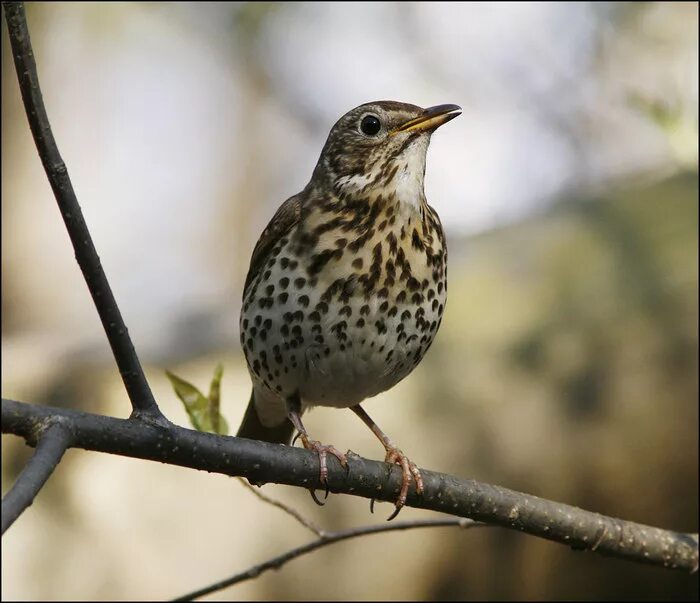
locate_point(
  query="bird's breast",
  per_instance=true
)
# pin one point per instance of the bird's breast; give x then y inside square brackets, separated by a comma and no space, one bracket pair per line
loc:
[341,313]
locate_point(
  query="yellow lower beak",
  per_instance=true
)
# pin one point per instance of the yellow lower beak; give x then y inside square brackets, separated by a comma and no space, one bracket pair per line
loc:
[432,118]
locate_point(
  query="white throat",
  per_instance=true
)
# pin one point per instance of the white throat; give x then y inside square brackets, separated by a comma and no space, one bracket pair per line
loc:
[407,183]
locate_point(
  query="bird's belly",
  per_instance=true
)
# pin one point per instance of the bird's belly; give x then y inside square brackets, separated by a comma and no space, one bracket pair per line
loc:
[334,352]
[363,365]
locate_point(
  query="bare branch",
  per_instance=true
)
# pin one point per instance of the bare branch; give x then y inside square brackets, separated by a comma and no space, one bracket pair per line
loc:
[142,401]
[326,539]
[52,443]
[261,462]
[307,523]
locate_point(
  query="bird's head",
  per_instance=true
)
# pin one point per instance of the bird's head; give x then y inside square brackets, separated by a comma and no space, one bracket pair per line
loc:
[380,148]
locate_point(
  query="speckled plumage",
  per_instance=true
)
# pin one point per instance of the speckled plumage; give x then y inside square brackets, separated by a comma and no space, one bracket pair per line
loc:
[348,283]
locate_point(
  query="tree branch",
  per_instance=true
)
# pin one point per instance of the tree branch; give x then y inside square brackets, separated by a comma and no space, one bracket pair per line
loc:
[324,540]
[307,523]
[142,401]
[53,440]
[260,463]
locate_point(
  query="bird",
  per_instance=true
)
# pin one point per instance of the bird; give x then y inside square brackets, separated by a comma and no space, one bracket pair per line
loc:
[347,284]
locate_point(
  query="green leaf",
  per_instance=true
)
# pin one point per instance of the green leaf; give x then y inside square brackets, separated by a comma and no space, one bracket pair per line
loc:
[204,412]
[195,402]
[218,422]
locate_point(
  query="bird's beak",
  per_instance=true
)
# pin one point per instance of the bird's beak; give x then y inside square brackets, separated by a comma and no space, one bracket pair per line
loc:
[430,119]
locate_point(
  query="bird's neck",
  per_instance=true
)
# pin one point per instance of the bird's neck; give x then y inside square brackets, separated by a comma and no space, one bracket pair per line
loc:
[346,234]
[357,219]
[386,197]
[365,208]
[401,186]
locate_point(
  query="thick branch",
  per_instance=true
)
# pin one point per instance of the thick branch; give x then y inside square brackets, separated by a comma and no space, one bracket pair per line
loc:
[52,443]
[261,462]
[85,253]
[324,540]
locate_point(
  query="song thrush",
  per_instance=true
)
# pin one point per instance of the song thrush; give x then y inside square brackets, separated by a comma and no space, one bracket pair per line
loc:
[348,283]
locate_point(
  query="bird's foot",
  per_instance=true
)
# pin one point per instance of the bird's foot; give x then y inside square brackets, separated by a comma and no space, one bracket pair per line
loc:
[409,471]
[323,451]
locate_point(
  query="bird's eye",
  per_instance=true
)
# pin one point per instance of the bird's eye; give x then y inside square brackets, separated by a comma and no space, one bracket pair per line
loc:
[370,125]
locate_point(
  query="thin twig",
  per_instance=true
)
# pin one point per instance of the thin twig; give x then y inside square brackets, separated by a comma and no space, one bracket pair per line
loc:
[325,540]
[53,442]
[261,462]
[142,401]
[307,523]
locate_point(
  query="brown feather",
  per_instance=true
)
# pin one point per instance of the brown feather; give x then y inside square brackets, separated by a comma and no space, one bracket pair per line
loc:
[284,220]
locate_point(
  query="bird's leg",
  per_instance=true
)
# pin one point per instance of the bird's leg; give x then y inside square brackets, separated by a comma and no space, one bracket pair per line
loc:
[294,414]
[393,455]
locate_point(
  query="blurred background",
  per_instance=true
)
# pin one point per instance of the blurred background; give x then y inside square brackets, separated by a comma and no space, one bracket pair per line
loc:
[566,365]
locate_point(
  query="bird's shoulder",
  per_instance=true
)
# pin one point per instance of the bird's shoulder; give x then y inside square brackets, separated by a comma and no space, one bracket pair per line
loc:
[287,216]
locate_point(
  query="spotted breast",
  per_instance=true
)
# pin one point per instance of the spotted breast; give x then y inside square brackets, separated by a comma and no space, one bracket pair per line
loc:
[347,304]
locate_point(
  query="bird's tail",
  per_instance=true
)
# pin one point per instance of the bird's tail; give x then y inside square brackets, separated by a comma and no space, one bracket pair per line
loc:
[252,429]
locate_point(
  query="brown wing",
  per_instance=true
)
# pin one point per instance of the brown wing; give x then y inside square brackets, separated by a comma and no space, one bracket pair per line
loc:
[285,218]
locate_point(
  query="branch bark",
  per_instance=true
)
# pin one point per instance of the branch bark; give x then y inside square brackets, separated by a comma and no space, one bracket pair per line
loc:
[53,440]
[260,463]
[142,401]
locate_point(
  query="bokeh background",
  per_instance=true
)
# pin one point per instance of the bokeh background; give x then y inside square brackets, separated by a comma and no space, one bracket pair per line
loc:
[566,365]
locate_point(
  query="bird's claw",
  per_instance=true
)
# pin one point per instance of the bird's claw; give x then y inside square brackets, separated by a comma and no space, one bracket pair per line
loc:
[322,451]
[409,471]
[315,498]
